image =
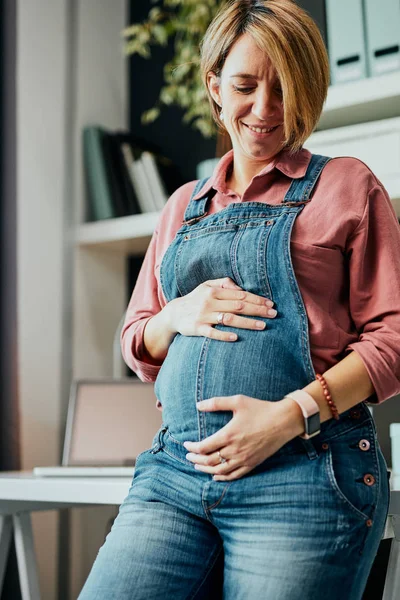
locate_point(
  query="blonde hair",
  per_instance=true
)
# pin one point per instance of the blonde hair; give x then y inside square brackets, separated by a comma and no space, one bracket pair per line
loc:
[292,41]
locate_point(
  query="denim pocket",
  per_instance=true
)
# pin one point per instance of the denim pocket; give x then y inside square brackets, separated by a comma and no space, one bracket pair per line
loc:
[353,471]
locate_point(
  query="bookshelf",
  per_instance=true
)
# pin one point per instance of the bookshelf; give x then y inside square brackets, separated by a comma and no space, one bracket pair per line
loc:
[370,99]
[131,235]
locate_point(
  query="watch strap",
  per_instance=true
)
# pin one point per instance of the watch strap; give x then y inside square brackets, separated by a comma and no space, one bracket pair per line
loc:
[310,410]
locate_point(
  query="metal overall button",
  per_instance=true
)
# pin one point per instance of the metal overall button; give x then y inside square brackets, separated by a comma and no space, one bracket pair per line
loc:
[369,479]
[364,445]
[355,413]
[269,222]
[159,446]
[187,237]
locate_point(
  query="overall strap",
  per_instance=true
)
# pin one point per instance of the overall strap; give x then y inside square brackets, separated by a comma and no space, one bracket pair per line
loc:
[196,208]
[300,190]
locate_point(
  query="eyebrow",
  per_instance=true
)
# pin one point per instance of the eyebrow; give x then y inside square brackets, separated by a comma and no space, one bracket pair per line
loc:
[244,76]
[249,76]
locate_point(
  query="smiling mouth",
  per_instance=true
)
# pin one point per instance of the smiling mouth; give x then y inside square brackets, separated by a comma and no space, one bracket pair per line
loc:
[261,129]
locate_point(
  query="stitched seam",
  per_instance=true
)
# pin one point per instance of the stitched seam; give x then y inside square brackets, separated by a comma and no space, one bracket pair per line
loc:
[299,302]
[173,439]
[262,258]
[220,498]
[199,387]
[184,462]
[204,504]
[176,267]
[233,257]
[336,489]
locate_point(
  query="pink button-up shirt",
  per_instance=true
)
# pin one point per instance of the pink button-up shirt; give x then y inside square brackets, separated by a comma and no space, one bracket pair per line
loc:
[345,248]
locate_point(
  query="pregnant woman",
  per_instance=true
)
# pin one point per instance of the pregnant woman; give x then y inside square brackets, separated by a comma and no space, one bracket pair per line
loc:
[267,312]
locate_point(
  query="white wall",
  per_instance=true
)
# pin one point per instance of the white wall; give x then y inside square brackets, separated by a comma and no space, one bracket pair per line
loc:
[98,298]
[41,159]
[61,47]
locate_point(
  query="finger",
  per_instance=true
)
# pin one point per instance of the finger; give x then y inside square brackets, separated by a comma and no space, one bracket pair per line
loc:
[232,320]
[221,335]
[223,282]
[235,474]
[232,294]
[233,308]
[209,460]
[220,469]
[218,403]
[210,444]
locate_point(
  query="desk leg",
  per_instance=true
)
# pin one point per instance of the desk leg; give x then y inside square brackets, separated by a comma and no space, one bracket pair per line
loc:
[392,581]
[5,540]
[27,568]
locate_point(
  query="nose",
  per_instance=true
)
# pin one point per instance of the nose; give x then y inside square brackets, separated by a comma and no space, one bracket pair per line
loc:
[266,105]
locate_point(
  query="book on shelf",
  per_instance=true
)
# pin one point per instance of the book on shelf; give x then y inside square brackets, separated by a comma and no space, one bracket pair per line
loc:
[100,197]
[156,183]
[124,175]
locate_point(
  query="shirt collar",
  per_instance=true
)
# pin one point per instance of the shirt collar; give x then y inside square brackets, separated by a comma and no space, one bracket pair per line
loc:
[292,165]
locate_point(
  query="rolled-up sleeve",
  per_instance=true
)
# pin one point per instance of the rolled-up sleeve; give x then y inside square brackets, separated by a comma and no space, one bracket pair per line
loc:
[147,298]
[143,305]
[373,251]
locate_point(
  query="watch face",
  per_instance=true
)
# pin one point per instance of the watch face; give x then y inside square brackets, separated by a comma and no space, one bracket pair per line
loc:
[313,423]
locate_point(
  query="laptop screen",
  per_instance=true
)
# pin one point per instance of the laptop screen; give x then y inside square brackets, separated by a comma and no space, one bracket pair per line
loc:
[110,422]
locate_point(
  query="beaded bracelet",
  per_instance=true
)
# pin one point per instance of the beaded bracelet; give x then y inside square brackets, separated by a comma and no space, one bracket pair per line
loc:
[332,405]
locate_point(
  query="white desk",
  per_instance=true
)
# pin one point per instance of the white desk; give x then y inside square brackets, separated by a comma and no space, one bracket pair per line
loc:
[21,493]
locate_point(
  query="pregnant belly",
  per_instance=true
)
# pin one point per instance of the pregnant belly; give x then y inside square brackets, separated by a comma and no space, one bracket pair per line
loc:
[260,364]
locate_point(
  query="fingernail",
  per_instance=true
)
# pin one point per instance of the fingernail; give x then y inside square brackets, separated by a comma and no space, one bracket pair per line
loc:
[272,312]
[269,303]
[260,324]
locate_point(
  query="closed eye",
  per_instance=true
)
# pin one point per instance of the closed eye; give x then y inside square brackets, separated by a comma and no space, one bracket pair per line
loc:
[248,90]
[243,90]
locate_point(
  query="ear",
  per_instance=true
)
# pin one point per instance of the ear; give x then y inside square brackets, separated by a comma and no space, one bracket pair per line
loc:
[213,83]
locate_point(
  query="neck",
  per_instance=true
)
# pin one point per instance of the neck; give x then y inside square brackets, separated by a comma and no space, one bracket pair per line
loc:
[240,174]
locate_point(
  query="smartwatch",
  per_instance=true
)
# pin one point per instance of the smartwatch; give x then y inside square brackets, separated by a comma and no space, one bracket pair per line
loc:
[310,410]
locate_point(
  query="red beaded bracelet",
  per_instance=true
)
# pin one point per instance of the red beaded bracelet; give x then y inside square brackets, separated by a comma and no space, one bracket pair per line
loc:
[332,405]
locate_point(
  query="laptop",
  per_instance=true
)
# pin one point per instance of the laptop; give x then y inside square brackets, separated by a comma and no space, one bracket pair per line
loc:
[109,422]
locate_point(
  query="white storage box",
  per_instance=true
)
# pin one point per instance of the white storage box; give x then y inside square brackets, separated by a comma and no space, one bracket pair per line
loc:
[376,143]
[394,430]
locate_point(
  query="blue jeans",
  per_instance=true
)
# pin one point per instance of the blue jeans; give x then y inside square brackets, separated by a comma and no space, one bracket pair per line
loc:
[303,525]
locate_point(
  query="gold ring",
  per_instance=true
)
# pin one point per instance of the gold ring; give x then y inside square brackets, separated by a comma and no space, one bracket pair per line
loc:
[220,318]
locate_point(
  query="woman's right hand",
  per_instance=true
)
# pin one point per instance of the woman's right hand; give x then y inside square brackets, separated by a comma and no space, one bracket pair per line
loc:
[196,313]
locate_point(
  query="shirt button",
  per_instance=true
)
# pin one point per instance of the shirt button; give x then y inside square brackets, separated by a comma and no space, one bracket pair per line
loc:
[355,413]
[364,445]
[369,479]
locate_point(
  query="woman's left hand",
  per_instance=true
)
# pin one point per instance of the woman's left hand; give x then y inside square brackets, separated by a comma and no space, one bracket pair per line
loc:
[258,429]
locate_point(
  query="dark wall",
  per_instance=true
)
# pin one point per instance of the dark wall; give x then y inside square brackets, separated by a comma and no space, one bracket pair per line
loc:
[179,142]
[182,144]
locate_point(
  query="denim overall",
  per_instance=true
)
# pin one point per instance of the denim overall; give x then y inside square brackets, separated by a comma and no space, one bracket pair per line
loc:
[308,516]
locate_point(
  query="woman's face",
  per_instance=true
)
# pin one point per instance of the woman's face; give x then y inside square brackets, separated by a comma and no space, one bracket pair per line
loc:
[250,96]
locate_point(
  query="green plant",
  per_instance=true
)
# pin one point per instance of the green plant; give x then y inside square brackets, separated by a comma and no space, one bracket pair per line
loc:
[186,22]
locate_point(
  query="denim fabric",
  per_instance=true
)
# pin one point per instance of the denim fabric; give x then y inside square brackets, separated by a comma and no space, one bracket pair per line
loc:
[306,518]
